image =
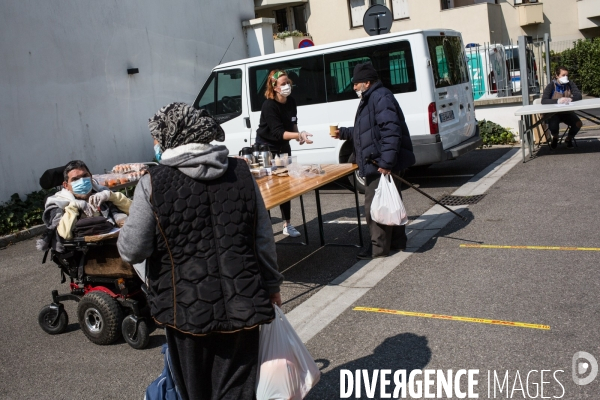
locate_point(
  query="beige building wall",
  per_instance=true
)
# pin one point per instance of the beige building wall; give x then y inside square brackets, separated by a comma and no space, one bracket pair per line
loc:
[560,21]
[329,20]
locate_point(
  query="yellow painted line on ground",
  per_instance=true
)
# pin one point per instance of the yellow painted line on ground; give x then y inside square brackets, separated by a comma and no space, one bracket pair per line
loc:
[454,318]
[563,248]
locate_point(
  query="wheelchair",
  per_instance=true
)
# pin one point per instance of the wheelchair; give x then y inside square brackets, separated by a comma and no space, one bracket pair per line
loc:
[110,295]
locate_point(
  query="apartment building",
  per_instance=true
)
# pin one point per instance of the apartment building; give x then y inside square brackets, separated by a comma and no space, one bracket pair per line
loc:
[479,20]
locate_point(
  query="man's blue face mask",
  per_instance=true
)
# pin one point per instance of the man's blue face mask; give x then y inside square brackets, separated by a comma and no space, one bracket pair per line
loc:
[157,152]
[82,186]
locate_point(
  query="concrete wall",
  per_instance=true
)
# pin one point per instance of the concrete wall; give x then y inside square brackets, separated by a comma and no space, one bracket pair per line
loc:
[502,114]
[64,90]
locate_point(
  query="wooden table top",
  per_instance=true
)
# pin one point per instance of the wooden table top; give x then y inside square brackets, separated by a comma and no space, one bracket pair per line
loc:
[277,190]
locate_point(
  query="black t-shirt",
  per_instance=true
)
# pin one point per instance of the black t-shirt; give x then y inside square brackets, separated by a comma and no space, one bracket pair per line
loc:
[275,119]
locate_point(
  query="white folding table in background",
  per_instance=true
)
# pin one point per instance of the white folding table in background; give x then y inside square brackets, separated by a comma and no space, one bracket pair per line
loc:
[547,111]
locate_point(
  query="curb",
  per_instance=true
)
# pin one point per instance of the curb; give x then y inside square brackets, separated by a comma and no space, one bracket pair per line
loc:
[21,235]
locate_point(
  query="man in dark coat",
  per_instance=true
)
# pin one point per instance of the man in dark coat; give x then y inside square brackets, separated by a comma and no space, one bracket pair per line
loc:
[381,134]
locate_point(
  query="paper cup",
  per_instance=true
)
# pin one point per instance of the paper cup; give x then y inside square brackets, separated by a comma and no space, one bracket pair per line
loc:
[332,129]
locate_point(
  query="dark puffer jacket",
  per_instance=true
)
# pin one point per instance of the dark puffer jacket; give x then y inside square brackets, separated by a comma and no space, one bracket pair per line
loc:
[203,274]
[380,133]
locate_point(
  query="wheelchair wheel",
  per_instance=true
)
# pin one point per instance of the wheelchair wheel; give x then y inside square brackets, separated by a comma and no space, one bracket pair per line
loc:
[99,317]
[136,333]
[50,323]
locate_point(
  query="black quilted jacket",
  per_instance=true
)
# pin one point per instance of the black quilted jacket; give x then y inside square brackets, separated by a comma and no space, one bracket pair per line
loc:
[203,274]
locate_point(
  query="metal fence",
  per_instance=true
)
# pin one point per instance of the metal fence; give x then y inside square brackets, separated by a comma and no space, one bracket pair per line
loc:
[495,68]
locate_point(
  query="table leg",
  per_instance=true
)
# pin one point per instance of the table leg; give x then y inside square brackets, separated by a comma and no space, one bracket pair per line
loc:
[304,220]
[320,217]
[360,237]
[522,136]
[530,136]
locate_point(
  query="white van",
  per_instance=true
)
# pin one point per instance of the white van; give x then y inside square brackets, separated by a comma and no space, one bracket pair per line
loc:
[425,69]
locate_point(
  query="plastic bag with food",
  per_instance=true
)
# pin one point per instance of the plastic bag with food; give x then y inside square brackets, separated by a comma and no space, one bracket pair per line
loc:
[287,370]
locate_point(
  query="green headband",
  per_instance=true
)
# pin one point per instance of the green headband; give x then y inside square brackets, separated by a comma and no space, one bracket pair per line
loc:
[276,76]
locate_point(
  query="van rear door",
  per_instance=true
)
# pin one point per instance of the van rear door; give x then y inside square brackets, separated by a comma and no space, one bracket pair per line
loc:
[452,89]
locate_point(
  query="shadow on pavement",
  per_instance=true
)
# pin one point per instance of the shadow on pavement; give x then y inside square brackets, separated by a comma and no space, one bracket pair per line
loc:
[453,226]
[406,351]
[584,146]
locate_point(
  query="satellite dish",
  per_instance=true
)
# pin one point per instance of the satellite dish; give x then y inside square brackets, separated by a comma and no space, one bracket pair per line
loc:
[377,20]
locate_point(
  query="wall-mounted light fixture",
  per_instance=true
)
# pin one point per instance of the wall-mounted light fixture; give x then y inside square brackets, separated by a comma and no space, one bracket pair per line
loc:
[132,71]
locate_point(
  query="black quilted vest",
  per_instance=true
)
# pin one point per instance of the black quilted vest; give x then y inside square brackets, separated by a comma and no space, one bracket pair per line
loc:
[203,274]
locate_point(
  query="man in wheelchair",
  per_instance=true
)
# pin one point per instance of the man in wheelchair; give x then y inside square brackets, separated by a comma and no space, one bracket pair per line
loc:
[110,297]
[80,198]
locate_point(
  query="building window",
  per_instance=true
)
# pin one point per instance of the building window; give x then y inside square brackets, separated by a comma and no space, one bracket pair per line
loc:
[358,8]
[281,20]
[400,9]
[300,19]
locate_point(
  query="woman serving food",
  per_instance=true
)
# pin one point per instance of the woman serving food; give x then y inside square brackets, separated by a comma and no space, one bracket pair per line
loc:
[278,125]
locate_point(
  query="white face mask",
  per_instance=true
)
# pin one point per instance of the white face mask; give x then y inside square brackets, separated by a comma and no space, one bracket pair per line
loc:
[360,92]
[285,90]
[564,79]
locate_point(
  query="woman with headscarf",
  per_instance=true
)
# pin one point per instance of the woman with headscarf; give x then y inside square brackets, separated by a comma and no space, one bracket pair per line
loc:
[278,125]
[199,221]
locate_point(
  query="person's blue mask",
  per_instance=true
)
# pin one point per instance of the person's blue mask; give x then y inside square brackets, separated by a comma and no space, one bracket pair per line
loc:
[82,186]
[157,152]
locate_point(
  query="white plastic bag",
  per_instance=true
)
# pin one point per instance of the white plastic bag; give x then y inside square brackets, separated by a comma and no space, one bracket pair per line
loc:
[286,371]
[387,207]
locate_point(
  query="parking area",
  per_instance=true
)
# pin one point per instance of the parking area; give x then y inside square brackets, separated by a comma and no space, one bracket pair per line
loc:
[549,201]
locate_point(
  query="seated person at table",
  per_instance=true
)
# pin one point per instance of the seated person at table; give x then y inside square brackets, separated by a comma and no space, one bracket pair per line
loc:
[562,91]
[80,198]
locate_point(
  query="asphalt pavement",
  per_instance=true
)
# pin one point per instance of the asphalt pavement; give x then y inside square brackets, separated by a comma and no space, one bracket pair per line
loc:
[550,200]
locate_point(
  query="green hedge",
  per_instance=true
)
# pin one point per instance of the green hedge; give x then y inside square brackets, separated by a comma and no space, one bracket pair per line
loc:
[18,214]
[583,63]
[492,133]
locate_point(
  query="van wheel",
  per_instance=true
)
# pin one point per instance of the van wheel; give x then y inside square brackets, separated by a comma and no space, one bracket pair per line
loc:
[360,181]
[420,167]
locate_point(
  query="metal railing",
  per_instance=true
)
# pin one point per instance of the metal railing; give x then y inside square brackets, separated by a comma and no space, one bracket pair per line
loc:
[495,68]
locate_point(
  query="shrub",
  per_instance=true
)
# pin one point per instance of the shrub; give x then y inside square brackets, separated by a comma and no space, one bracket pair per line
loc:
[284,34]
[18,214]
[583,63]
[492,133]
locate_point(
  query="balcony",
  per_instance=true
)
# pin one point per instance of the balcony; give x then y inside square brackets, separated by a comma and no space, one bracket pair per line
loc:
[262,4]
[531,14]
[589,13]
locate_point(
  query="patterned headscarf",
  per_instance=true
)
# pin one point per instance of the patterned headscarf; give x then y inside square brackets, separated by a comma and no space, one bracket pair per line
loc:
[178,123]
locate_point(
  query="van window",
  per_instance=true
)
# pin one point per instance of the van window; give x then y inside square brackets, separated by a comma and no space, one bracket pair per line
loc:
[393,62]
[221,95]
[306,74]
[448,60]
